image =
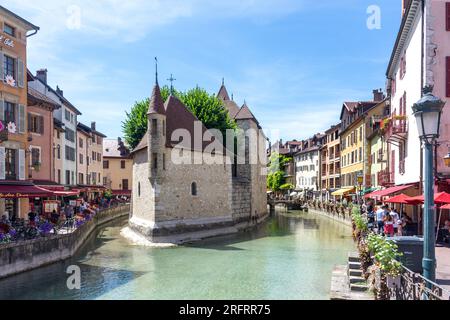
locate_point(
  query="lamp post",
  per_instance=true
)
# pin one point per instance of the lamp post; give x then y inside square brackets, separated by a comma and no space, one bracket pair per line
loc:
[427,112]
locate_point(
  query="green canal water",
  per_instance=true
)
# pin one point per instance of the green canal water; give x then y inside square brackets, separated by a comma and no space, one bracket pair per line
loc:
[291,256]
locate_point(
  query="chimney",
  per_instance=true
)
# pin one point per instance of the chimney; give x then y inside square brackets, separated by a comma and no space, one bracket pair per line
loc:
[93,126]
[378,95]
[42,75]
[59,91]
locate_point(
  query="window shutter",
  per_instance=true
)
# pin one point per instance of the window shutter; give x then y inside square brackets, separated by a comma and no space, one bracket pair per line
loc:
[20,73]
[2,110]
[447,16]
[2,163]
[29,122]
[41,125]
[21,120]
[2,73]
[447,76]
[21,153]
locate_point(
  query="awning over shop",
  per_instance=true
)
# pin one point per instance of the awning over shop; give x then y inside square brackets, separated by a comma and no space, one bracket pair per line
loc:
[121,192]
[368,190]
[66,193]
[388,191]
[343,191]
[15,191]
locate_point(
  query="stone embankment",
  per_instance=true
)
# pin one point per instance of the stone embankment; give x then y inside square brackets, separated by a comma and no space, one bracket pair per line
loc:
[23,256]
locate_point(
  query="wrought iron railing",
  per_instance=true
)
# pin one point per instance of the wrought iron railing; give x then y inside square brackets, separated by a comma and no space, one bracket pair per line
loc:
[413,286]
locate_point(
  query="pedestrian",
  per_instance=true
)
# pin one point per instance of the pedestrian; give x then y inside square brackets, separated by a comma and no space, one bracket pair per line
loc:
[388,225]
[379,214]
[395,219]
[370,218]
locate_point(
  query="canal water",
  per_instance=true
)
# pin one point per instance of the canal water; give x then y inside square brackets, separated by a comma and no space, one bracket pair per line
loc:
[291,256]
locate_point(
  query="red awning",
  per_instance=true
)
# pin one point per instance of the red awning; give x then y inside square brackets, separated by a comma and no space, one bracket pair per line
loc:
[442,197]
[401,198]
[388,191]
[23,191]
[121,192]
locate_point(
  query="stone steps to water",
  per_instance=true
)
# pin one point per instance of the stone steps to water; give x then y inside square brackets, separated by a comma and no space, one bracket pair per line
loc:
[356,279]
[353,257]
[355,273]
[354,265]
[359,287]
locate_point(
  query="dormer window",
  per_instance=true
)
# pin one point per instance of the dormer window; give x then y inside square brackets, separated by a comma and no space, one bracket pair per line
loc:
[9,30]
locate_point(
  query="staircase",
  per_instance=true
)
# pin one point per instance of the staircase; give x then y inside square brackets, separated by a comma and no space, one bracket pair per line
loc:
[357,282]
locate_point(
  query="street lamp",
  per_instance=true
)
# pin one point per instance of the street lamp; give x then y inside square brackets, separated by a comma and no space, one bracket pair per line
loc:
[427,112]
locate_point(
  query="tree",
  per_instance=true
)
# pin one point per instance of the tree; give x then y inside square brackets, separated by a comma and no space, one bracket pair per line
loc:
[207,108]
[275,178]
[135,125]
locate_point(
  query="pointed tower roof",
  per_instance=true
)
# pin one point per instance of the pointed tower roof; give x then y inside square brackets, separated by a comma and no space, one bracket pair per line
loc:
[156,102]
[223,93]
[245,113]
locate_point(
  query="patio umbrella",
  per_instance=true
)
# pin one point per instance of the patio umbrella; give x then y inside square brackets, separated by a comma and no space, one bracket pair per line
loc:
[401,198]
[441,198]
[444,207]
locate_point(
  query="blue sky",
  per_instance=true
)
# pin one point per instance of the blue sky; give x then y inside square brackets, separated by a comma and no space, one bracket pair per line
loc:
[293,61]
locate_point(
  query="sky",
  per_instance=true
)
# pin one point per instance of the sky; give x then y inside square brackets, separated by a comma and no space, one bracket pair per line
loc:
[293,61]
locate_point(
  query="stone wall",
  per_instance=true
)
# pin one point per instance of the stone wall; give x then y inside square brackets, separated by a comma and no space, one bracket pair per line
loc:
[27,255]
[337,217]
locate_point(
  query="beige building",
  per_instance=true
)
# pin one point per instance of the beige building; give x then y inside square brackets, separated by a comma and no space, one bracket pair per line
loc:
[90,155]
[117,167]
[182,191]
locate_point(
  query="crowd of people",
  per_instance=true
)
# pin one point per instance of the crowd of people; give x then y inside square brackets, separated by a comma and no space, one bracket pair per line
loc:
[68,216]
[385,220]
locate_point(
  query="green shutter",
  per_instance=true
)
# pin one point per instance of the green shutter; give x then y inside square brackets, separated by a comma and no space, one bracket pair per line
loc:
[2,110]
[2,163]
[21,120]
[2,73]
[20,73]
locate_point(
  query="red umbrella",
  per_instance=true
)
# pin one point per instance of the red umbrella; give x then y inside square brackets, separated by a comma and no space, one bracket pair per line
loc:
[401,198]
[446,206]
[442,197]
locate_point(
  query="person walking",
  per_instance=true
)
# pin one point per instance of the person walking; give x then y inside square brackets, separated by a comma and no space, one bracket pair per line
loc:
[388,225]
[379,214]
[395,220]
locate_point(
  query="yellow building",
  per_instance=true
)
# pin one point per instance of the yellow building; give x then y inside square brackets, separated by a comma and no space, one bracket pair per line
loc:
[117,167]
[376,151]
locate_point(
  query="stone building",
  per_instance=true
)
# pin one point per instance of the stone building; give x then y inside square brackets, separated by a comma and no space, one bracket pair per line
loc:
[185,190]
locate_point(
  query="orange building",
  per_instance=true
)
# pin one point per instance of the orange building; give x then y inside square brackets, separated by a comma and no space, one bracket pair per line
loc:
[15,191]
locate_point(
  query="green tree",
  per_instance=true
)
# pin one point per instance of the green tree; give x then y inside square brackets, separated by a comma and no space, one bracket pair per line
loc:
[275,177]
[207,108]
[135,125]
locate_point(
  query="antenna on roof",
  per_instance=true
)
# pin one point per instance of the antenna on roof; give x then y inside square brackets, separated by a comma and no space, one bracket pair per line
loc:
[223,81]
[156,70]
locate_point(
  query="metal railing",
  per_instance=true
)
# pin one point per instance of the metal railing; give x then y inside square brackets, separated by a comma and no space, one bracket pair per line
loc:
[413,286]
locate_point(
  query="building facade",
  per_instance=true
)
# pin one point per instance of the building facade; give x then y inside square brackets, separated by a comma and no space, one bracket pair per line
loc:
[330,162]
[176,200]
[14,136]
[41,131]
[67,115]
[117,167]
[308,167]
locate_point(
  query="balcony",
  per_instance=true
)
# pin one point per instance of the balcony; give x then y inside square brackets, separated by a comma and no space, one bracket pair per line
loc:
[395,128]
[386,178]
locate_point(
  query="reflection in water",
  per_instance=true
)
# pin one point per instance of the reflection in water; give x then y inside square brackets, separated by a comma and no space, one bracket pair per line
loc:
[291,256]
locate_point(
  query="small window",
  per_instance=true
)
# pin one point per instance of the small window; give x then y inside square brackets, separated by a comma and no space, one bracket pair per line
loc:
[155,161]
[194,189]
[139,189]
[105,164]
[9,30]
[164,161]
[154,126]
[122,164]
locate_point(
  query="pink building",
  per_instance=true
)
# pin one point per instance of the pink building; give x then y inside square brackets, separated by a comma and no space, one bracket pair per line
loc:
[40,130]
[420,57]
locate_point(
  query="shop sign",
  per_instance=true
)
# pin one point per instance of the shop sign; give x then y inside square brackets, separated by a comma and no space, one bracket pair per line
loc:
[7,41]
